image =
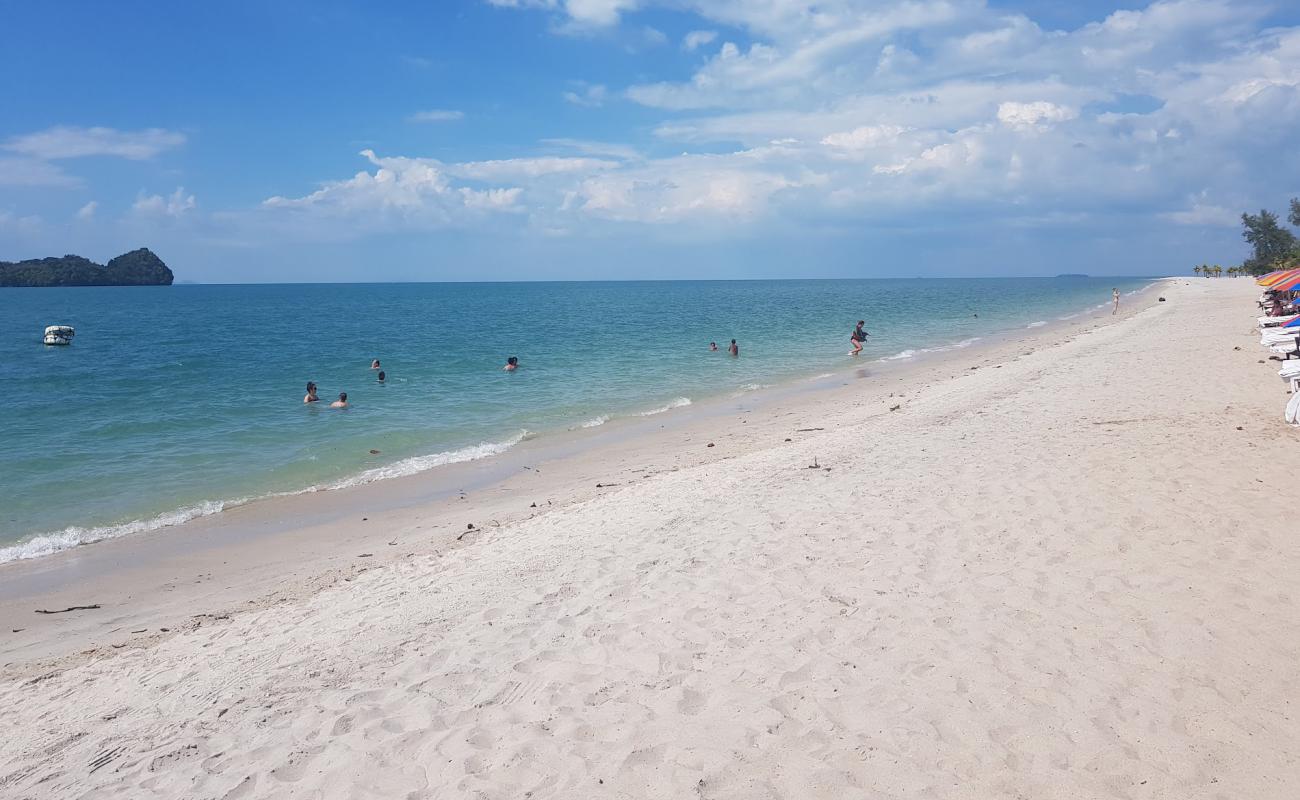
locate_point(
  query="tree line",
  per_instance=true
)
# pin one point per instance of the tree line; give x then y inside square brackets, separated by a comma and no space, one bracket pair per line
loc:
[1273,246]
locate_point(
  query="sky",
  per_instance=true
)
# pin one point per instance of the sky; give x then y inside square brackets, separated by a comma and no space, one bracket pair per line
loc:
[322,140]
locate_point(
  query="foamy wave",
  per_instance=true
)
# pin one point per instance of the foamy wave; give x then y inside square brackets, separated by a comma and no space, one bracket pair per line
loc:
[595,421]
[750,387]
[417,464]
[678,403]
[45,544]
[900,356]
[49,543]
[1037,324]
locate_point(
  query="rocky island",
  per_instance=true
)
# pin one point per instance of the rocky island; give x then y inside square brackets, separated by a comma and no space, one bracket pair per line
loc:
[136,268]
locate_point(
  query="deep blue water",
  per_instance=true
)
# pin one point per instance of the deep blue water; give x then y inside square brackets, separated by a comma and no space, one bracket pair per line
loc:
[173,400]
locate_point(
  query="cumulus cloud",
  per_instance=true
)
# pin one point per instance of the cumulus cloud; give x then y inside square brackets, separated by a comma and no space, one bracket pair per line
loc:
[824,109]
[174,205]
[71,142]
[87,211]
[1036,116]
[437,115]
[402,192]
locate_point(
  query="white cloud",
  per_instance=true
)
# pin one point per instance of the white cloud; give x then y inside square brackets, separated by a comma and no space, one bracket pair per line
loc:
[581,13]
[72,142]
[175,205]
[31,172]
[857,109]
[1037,116]
[588,95]
[88,210]
[437,115]
[402,192]
[522,168]
[697,39]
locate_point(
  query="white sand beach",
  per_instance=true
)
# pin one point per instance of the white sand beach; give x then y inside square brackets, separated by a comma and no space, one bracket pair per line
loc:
[1063,567]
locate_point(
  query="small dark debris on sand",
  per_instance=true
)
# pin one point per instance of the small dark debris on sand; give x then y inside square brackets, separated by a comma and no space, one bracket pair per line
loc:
[66,610]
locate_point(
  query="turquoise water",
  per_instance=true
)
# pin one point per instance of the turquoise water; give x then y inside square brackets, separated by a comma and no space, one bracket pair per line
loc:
[175,401]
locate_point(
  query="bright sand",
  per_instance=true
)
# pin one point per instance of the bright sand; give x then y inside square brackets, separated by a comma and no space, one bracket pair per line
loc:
[1062,568]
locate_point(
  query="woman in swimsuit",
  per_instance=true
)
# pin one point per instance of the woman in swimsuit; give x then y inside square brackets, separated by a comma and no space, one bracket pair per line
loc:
[311,394]
[858,337]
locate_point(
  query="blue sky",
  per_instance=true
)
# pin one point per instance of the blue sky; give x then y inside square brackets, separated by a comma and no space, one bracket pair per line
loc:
[572,139]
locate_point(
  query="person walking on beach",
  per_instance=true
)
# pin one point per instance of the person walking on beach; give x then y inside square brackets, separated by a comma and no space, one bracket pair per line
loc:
[311,394]
[1114,293]
[734,349]
[858,337]
[342,402]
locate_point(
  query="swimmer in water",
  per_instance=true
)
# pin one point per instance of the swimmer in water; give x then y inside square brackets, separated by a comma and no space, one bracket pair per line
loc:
[342,402]
[734,349]
[374,364]
[381,376]
[512,364]
[713,347]
[858,337]
[311,394]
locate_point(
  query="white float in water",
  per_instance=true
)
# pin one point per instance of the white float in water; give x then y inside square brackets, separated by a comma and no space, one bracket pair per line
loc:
[59,334]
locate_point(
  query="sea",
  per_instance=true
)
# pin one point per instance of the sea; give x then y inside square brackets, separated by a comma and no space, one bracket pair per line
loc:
[180,401]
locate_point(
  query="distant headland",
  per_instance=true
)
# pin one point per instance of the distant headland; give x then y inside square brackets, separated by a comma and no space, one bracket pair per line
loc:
[136,268]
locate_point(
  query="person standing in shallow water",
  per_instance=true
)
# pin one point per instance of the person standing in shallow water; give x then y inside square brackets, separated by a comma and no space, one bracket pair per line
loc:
[1114,293]
[858,337]
[311,394]
[733,349]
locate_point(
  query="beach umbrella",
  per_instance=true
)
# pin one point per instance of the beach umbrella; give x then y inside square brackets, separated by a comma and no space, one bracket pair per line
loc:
[1295,323]
[1274,279]
[1288,283]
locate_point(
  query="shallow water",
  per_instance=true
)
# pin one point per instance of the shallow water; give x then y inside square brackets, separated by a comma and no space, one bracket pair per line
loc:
[176,401]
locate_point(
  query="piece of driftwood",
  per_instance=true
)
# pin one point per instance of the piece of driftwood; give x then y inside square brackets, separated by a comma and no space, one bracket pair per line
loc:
[66,610]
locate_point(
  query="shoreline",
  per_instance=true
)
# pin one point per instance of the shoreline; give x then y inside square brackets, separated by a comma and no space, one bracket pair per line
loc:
[286,547]
[52,543]
[1031,579]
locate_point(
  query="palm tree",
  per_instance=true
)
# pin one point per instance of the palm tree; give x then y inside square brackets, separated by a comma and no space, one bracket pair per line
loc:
[1218,271]
[1197,269]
